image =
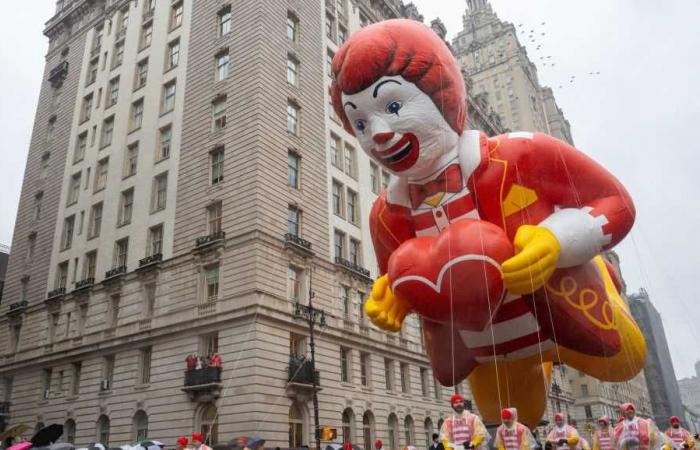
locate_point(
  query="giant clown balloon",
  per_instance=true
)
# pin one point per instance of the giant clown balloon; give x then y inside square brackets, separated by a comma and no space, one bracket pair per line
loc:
[494,242]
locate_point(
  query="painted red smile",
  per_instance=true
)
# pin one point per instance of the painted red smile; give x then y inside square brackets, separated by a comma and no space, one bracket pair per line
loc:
[400,156]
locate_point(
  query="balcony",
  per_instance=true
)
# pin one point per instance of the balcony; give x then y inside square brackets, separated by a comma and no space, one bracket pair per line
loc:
[83,284]
[294,242]
[203,385]
[116,272]
[353,268]
[214,238]
[151,260]
[303,312]
[300,377]
[17,308]
[58,74]
[60,292]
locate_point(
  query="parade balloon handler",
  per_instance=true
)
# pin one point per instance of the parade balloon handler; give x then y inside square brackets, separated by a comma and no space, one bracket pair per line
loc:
[637,433]
[463,429]
[476,234]
[681,438]
[513,435]
[563,436]
[603,438]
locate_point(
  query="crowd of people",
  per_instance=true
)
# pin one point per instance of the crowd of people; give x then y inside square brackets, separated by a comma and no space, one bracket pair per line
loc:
[196,362]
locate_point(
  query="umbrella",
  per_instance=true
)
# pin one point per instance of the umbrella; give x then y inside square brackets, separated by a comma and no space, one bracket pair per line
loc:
[21,446]
[14,432]
[255,442]
[47,435]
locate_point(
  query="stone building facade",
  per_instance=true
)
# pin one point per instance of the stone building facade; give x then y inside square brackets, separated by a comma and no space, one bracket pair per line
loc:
[187,189]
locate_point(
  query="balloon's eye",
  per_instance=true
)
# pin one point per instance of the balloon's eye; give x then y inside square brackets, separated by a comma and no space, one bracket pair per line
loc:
[393,107]
[360,124]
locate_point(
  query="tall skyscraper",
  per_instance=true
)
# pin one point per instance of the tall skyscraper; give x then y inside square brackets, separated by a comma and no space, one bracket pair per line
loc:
[659,373]
[187,188]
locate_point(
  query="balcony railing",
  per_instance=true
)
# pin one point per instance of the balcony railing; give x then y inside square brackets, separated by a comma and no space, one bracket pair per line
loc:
[205,375]
[352,267]
[18,307]
[301,371]
[303,312]
[210,239]
[152,259]
[82,284]
[294,241]
[60,292]
[121,270]
[58,73]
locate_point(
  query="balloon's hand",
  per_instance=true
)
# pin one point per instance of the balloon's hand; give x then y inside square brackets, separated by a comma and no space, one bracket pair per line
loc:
[385,309]
[537,253]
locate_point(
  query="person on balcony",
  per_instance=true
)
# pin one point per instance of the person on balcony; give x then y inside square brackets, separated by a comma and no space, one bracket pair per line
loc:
[214,360]
[191,361]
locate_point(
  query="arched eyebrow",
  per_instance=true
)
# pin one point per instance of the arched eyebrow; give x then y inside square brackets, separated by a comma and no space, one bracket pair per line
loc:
[350,104]
[376,88]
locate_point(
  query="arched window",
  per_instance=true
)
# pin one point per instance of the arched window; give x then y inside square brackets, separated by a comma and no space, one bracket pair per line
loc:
[209,424]
[296,427]
[69,431]
[348,425]
[393,432]
[368,430]
[409,431]
[428,430]
[103,430]
[440,422]
[139,426]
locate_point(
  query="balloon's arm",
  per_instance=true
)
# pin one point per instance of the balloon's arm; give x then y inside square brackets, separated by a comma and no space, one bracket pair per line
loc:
[389,226]
[596,211]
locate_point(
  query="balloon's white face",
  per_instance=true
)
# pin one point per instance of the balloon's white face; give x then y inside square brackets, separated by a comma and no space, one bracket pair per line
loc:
[399,126]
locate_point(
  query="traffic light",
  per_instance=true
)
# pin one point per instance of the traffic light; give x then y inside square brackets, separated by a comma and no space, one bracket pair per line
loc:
[328,434]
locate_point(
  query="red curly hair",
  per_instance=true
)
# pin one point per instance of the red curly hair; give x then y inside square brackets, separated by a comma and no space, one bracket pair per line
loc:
[406,48]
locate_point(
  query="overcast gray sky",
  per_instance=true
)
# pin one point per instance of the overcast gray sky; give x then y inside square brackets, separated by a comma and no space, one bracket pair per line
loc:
[640,118]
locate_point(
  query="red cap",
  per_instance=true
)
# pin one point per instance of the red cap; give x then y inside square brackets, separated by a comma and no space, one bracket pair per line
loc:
[182,440]
[378,443]
[605,419]
[559,416]
[507,414]
[455,398]
[197,437]
[626,407]
[674,419]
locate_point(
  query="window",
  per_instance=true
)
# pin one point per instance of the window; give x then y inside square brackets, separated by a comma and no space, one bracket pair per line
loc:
[89,265]
[113,312]
[330,28]
[589,412]
[67,237]
[107,373]
[296,427]
[293,220]
[211,283]
[173,54]
[217,165]
[348,421]
[385,180]
[164,140]
[140,420]
[218,112]
[124,20]
[92,72]
[121,253]
[95,220]
[149,7]
[86,111]
[141,74]
[101,174]
[374,177]
[350,161]
[342,35]
[150,299]
[62,275]
[45,164]
[176,16]
[80,146]
[112,92]
[31,245]
[344,365]
[339,244]
[329,63]
[584,390]
[107,131]
[53,326]
[335,150]
[409,429]
[222,65]
[345,299]
[292,119]
[46,384]
[352,206]
[126,207]
[424,382]
[364,368]
[293,162]
[389,374]
[355,248]
[15,331]
[118,56]
[337,194]
[82,319]
[155,240]
[131,159]
[73,189]
[103,430]
[76,369]
[294,284]
[214,215]
[404,378]
[168,97]
[160,192]
[292,28]
[24,292]
[136,114]
[146,35]
[225,21]
[292,71]
[145,363]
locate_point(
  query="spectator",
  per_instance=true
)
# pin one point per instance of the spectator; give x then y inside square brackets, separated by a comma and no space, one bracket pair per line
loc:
[215,360]
[191,362]
[436,445]
[182,443]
